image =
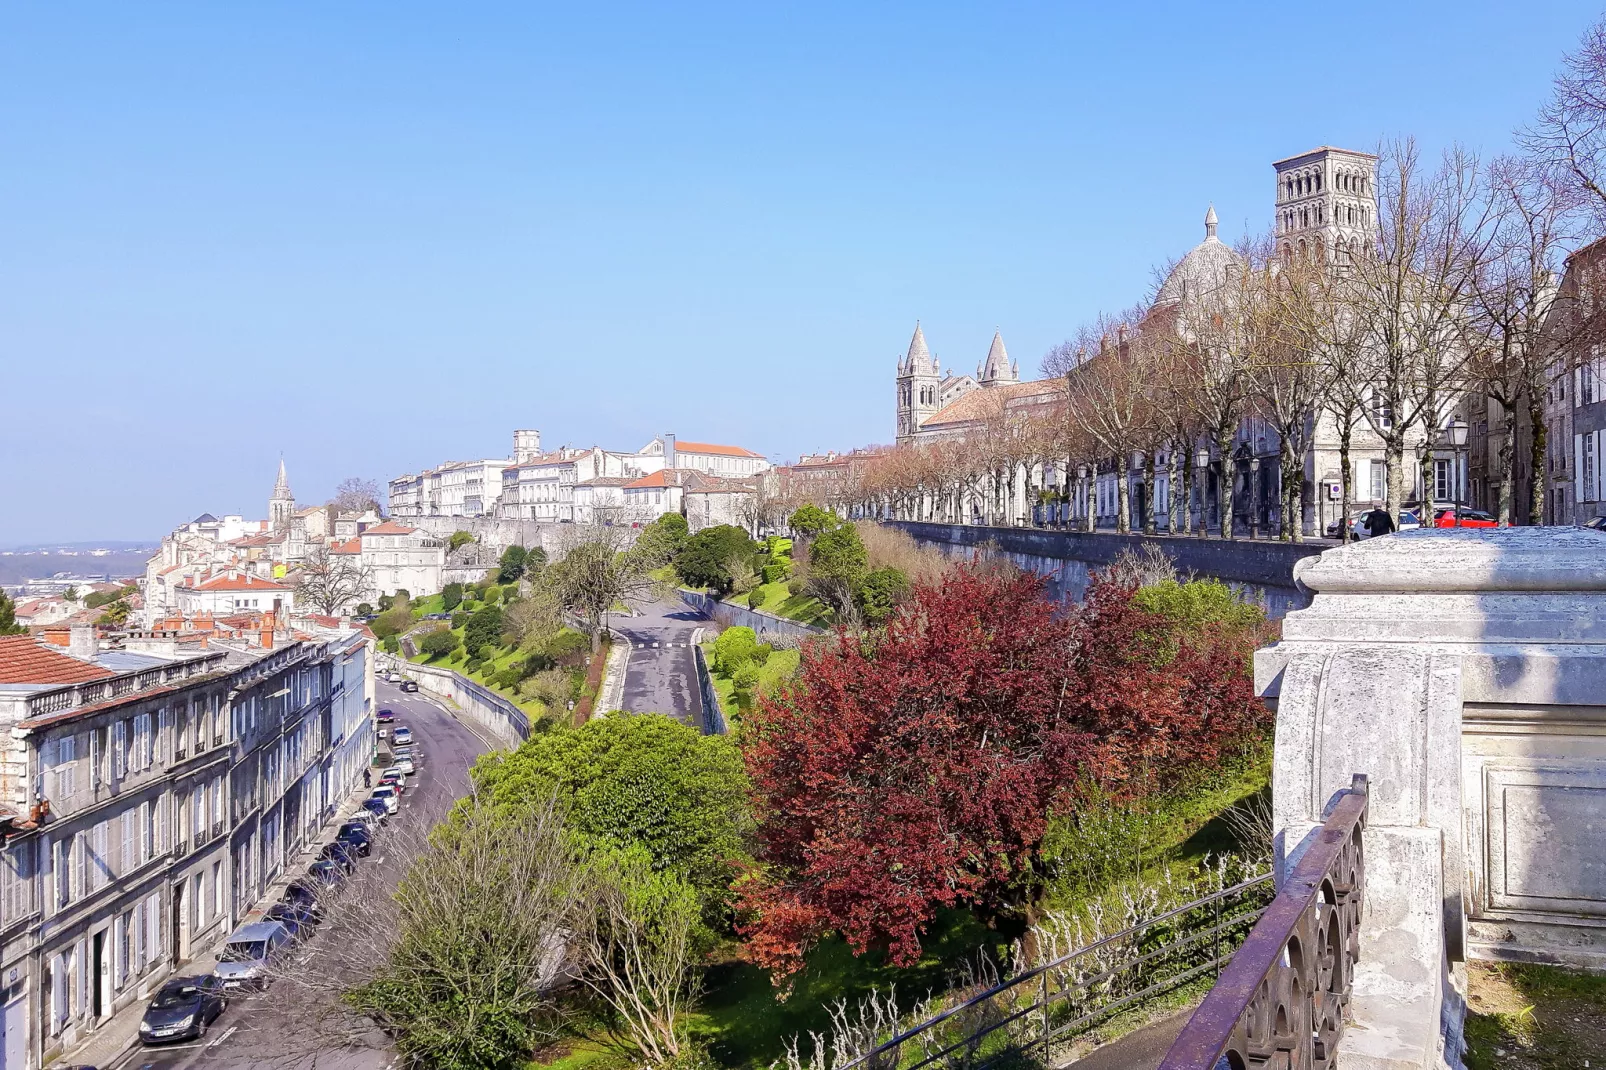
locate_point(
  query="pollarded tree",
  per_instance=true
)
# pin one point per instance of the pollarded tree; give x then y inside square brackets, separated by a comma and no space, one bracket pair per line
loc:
[330,582]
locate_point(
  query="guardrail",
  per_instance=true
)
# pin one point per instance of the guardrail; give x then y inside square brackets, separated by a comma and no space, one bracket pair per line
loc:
[1070,995]
[506,721]
[1282,999]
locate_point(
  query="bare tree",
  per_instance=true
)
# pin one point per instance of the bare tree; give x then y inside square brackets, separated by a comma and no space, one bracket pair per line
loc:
[331,582]
[1525,323]
[1568,140]
[599,570]
[356,495]
[1108,393]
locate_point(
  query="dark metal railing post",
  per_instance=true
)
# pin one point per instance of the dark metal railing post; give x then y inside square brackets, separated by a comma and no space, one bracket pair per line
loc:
[1297,964]
[1043,997]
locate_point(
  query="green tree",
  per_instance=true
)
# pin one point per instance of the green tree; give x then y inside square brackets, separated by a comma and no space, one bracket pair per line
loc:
[458,539]
[642,780]
[880,592]
[8,617]
[595,576]
[451,597]
[484,628]
[810,520]
[365,609]
[661,540]
[511,566]
[493,593]
[709,557]
[837,565]
[97,599]
[115,615]
[734,648]
[439,643]
[393,621]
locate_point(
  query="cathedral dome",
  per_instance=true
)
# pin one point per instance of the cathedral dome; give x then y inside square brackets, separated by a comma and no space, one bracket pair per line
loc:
[1202,271]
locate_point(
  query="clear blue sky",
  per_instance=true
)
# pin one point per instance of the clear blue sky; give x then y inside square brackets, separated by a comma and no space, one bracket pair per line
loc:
[376,236]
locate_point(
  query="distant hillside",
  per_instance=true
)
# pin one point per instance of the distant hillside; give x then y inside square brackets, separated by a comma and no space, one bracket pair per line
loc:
[119,560]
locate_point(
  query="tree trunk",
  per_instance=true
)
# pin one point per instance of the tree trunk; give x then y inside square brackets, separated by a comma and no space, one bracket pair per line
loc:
[1508,475]
[1092,498]
[1185,499]
[1123,503]
[1394,476]
[1539,481]
[1224,488]
[1346,477]
[1148,493]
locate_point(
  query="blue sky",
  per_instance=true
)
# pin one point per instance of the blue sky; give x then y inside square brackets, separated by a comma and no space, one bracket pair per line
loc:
[377,236]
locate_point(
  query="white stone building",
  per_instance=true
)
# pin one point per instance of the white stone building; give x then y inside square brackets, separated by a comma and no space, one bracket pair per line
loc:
[397,557]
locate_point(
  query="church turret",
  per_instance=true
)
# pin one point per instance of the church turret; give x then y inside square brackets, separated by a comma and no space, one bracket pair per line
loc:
[997,368]
[918,382]
[282,504]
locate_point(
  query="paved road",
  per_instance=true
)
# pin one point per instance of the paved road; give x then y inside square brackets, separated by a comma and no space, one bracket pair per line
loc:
[249,1034]
[661,676]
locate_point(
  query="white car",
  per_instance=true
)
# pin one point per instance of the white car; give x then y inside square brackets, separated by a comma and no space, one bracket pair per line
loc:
[404,735]
[405,765]
[393,678]
[387,795]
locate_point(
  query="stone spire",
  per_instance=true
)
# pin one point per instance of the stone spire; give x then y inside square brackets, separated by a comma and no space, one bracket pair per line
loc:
[997,369]
[918,361]
[281,487]
[1210,223]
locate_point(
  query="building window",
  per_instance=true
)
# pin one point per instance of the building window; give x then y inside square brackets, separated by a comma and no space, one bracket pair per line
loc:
[1443,480]
[1586,467]
[1379,480]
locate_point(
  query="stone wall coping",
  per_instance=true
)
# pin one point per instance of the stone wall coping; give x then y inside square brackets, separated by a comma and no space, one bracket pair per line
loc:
[1467,559]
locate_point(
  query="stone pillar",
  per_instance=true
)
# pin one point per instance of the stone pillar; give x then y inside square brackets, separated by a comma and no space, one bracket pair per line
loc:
[1465,672]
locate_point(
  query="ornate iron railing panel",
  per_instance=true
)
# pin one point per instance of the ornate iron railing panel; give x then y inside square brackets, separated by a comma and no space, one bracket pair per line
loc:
[1281,1002]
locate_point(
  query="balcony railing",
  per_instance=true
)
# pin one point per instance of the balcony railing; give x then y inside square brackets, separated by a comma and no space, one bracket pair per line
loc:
[1282,1000]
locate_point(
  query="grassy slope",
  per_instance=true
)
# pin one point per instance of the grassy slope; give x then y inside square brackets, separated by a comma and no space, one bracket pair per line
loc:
[780,667]
[781,602]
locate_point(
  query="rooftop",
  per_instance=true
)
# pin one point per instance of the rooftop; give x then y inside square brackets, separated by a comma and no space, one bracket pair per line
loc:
[25,660]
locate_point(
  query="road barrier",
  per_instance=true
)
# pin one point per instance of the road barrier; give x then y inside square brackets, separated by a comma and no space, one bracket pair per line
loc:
[505,722]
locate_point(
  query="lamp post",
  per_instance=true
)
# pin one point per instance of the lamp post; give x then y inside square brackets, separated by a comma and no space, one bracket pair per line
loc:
[1081,497]
[1456,432]
[1202,463]
[1254,497]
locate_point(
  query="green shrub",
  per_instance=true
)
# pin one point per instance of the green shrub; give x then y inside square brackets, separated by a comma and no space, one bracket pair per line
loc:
[493,594]
[733,649]
[755,598]
[471,666]
[707,558]
[810,520]
[567,645]
[796,587]
[439,643]
[776,571]
[451,596]
[484,626]
[460,618]
[1197,603]
[458,538]
[507,677]
[880,592]
[511,566]
[746,676]
[364,609]
[391,645]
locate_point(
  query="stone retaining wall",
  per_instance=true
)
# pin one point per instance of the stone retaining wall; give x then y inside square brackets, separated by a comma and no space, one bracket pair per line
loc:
[1262,569]
[729,616]
[505,722]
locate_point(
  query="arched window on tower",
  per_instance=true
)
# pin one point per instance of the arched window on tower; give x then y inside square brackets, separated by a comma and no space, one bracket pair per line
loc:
[1319,247]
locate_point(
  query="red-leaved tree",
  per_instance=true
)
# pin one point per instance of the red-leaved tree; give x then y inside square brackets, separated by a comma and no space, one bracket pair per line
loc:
[916,767]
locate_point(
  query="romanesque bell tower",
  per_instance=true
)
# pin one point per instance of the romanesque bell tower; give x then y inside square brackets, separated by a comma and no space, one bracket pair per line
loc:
[919,380]
[1326,202]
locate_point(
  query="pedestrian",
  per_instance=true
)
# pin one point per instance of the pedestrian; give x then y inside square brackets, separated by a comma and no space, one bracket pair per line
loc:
[367,779]
[1378,522]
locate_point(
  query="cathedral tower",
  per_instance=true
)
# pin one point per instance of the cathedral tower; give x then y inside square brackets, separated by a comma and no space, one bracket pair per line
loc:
[997,368]
[1326,202]
[282,505]
[919,382]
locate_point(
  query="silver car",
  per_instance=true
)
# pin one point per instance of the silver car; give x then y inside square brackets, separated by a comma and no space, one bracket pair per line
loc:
[248,955]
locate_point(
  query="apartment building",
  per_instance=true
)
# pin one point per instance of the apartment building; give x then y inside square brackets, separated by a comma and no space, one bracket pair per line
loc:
[148,796]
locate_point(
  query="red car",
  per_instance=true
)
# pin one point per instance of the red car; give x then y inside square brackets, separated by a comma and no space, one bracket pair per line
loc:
[1470,518]
[386,716]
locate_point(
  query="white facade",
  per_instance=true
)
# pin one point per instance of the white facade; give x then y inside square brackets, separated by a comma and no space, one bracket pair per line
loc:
[234,593]
[398,558]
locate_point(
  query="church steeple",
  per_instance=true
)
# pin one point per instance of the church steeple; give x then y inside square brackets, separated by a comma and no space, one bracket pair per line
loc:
[282,504]
[997,369]
[919,383]
[918,360]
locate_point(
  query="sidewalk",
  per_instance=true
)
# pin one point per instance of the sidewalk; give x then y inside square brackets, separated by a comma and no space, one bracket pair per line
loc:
[117,1036]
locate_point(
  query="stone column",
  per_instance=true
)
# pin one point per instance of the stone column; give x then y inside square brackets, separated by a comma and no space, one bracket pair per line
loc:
[1465,672]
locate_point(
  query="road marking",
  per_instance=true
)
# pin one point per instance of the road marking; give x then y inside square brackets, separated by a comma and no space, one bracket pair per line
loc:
[227,1033]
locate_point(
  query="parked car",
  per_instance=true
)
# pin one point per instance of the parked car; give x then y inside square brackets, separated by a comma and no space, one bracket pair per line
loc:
[327,872]
[405,764]
[1470,518]
[296,917]
[250,953]
[404,735]
[393,677]
[341,853]
[1598,523]
[409,685]
[386,795]
[378,807]
[385,716]
[182,1009]
[356,836]
[395,778]
[303,895]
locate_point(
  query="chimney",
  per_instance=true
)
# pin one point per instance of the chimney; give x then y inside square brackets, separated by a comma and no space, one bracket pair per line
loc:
[669,451]
[81,643]
[57,635]
[267,631]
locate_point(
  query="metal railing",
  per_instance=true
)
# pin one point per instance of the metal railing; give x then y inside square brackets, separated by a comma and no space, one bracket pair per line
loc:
[1054,1003]
[1282,999]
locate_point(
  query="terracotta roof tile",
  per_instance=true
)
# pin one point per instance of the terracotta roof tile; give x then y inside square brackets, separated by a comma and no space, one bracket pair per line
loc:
[241,582]
[23,660]
[973,405]
[390,527]
[710,447]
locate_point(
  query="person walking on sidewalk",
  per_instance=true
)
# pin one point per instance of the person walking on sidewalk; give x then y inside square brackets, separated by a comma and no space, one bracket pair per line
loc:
[367,779]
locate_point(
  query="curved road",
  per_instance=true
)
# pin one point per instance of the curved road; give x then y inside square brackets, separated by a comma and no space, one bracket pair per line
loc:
[661,676]
[245,1035]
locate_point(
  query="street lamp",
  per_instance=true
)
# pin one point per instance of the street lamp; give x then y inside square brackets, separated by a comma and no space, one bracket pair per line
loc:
[1254,497]
[1456,433]
[1202,462]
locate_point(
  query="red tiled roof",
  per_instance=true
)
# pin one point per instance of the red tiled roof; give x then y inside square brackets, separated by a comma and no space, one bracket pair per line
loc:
[710,447]
[23,660]
[975,405]
[656,479]
[350,546]
[241,582]
[390,527]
